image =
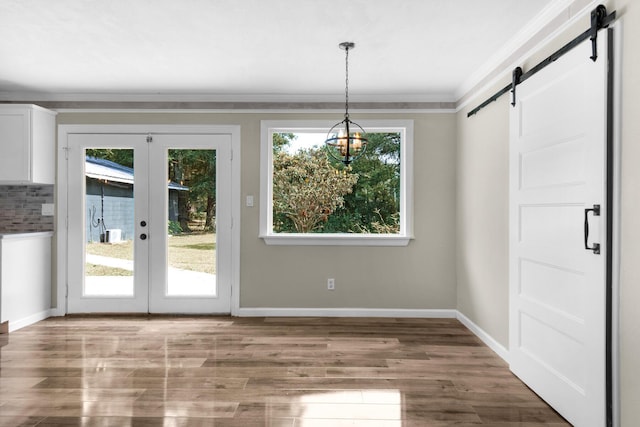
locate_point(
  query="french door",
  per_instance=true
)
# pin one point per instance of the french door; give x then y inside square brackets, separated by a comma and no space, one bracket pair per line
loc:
[149,223]
[559,212]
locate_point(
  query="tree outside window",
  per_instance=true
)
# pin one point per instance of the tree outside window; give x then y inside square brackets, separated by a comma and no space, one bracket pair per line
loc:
[313,193]
[308,198]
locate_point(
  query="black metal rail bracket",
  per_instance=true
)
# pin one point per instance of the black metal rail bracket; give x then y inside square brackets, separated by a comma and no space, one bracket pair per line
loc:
[515,81]
[598,16]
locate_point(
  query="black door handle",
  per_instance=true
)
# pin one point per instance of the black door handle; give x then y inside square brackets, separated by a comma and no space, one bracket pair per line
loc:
[143,236]
[596,212]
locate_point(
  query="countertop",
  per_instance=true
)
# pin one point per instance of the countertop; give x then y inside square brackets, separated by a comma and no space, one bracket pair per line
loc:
[23,235]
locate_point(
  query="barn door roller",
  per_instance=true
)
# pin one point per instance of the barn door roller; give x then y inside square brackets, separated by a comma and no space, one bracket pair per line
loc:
[599,20]
[515,81]
[598,16]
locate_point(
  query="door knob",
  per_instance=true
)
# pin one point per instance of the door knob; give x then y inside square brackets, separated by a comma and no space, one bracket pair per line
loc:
[143,236]
[143,223]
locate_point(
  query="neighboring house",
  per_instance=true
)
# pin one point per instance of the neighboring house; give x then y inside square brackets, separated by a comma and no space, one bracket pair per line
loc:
[109,200]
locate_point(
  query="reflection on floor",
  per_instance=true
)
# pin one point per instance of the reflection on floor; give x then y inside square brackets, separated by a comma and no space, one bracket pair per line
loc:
[221,371]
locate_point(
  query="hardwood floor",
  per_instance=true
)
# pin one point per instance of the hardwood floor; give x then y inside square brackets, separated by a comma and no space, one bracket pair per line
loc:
[293,372]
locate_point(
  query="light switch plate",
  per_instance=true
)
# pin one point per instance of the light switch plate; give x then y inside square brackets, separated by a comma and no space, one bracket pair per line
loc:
[47,209]
[249,201]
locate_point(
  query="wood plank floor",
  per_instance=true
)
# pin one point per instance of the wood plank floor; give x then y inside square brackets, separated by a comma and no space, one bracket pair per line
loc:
[293,372]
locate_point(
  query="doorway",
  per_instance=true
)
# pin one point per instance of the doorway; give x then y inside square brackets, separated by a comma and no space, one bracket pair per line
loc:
[149,222]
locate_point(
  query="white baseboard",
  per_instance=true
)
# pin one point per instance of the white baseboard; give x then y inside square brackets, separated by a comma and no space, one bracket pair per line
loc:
[343,312]
[14,325]
[57,312]
[494,345]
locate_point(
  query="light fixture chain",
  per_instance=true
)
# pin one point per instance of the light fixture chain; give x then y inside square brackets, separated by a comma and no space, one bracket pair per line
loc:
[346,83]
[346,140]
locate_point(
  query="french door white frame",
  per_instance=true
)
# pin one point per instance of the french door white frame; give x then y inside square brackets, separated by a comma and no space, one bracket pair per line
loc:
[64,131]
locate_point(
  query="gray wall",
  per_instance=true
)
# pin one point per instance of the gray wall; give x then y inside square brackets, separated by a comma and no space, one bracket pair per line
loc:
[419,276]
[482,213]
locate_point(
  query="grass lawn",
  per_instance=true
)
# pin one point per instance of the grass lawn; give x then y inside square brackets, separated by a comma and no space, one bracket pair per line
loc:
[195,251]
[103,270]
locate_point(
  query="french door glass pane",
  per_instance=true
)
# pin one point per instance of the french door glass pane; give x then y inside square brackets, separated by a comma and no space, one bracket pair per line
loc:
[109,222]
[191,240]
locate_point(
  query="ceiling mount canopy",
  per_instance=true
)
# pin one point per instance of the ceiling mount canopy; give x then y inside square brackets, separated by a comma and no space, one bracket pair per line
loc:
[346,140]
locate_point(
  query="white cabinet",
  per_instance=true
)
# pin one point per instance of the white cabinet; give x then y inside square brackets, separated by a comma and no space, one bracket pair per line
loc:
[27,144]
[25,278]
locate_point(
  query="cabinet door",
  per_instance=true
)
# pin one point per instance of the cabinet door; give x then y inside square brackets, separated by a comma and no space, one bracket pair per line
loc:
[43,146]
[15,162]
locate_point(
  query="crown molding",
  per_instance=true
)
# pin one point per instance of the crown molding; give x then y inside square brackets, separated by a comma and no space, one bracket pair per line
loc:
[555,18]
[241,107]
[228,98]
[550,12]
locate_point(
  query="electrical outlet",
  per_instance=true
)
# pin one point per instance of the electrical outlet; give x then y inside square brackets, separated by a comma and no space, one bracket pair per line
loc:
[47,209]
[331,284]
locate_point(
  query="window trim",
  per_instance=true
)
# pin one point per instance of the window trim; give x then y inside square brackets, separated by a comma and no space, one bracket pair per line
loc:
[269,127]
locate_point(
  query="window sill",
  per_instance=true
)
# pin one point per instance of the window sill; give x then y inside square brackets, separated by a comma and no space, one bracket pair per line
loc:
[292,239]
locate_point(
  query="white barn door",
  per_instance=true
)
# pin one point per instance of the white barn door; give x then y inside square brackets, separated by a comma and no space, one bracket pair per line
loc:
[558,307]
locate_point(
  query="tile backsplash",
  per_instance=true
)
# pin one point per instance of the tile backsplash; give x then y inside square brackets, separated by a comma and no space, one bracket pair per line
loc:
[21,208]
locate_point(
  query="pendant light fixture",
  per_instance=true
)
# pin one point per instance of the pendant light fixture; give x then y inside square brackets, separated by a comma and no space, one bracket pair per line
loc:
[346,140]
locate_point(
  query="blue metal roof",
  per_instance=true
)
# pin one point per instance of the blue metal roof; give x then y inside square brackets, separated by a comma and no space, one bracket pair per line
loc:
[112,171]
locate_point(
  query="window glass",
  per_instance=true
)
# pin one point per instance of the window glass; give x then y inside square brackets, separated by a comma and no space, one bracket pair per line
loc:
[307,194]
[314,193]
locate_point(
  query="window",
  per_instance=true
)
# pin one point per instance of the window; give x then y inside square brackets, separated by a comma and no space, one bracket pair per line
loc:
[307,198]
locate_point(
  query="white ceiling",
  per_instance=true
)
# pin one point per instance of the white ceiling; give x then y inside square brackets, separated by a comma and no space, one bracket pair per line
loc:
[413,50]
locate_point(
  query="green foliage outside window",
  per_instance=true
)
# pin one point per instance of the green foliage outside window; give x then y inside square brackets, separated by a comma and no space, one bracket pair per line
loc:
[314,194]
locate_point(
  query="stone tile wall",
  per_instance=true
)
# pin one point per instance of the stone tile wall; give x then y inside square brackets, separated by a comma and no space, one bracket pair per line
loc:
[21,208]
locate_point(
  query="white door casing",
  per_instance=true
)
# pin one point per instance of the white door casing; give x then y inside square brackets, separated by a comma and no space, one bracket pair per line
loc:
[221,138]
[558,146]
